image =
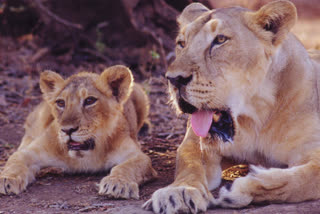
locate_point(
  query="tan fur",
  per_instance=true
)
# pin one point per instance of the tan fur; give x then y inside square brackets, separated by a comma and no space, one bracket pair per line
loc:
[270,84]
[113,122]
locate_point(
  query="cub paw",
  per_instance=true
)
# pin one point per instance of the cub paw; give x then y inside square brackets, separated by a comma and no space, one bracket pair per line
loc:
[184,199]
[9,185]
[115,187]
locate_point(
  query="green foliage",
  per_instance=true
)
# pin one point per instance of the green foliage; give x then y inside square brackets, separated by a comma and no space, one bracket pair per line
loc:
[154,54]
[100,46]
[146,87]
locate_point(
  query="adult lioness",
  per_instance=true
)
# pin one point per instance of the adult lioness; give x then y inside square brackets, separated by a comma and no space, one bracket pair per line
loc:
[86,123]
[252,92]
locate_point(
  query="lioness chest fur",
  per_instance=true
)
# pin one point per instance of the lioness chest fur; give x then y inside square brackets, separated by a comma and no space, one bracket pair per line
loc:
[252,92]
[86,123]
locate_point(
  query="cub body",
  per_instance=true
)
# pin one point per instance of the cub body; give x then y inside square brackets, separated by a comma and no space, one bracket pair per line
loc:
[86,123]
[252,91]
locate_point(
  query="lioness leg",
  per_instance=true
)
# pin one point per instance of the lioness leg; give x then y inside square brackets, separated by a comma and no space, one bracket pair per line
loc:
[190,190]
[22,166]
[295,184]
[125,178]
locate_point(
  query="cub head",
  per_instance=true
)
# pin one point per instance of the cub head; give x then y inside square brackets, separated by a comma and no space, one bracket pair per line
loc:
[222,60]
[86,106]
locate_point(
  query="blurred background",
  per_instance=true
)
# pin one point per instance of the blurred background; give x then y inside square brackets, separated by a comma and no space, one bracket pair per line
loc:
[70,35]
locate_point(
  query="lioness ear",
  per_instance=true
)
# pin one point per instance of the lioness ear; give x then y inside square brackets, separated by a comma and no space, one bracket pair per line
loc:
[120,80]
[50,81]
[274,20]
[191,12]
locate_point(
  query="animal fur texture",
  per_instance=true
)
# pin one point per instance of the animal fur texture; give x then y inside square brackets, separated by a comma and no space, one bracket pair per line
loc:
[86,123]
[248,65]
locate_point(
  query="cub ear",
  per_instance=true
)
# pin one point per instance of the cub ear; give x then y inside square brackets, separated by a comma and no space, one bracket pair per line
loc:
[191,12]
[120,80]
[273,21]
[50,81]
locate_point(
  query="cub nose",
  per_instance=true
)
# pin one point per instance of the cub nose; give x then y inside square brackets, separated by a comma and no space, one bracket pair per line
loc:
[179,80]
[70,131]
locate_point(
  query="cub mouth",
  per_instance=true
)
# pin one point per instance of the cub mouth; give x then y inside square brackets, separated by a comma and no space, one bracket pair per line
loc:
[218,123]
[78,146]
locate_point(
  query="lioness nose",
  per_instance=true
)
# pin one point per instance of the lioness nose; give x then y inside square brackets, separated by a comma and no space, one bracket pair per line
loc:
[70,131]
[179,80]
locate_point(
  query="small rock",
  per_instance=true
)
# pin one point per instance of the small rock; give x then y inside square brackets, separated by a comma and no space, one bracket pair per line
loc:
[103,205]
[87,209]
[132,209]
[3,101]
[33,200]
[64,205]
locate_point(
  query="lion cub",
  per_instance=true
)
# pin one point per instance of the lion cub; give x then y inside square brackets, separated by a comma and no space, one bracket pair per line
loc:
[86,123]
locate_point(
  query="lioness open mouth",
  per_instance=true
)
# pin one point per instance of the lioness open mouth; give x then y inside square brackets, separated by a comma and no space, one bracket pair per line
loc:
[77,146]
[218,123]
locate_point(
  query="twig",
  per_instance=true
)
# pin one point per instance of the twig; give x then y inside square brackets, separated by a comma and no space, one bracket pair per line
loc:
[159,43]
[39,54]
[96,54]
[106,50]
[149,33]
[55,17]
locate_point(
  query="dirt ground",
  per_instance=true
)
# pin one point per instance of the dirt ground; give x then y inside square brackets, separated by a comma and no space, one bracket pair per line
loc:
[56,192]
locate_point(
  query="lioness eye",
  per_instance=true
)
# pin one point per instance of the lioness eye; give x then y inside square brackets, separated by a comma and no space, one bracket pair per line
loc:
[89,101]
[182,44]
[220,39]
[60,103]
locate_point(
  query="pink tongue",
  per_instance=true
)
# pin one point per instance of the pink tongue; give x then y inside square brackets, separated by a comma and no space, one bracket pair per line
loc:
[73,143]
[201,122]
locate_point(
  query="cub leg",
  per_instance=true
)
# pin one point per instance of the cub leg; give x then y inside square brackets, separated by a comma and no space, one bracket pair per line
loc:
[295,184]
[189,192]
[22,166]
[125,178]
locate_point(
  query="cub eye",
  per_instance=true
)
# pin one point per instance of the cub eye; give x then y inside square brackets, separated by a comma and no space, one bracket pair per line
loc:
[89,101]
[60,103]
[181,43]
[220,39]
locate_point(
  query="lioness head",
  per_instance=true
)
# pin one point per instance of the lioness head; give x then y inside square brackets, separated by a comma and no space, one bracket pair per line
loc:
[86,106]
[222,59]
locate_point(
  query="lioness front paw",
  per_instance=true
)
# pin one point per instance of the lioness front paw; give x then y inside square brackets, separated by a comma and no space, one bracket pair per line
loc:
[9,185]
[116,187]
[173,199]
[235,195]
